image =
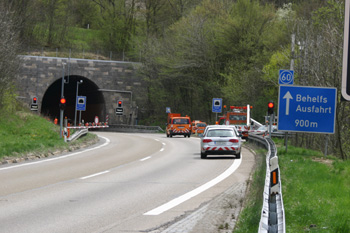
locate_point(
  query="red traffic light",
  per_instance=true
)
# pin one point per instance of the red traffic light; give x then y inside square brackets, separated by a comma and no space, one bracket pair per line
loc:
[34,100]
[120,103]
[62,103]
[270,107]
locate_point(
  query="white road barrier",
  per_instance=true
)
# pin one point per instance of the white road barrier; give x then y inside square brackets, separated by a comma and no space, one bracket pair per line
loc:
[272,218]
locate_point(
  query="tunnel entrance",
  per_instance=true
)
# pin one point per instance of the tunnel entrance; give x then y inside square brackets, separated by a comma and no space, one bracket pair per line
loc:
[95,103]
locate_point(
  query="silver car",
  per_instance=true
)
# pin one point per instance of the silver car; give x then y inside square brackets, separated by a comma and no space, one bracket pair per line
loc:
[263,130]
[222,126]
[220,140]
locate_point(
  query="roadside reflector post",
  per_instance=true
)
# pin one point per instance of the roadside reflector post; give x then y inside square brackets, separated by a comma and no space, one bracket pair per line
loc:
[274,191]
[65,134]
[274,179]
[274,176]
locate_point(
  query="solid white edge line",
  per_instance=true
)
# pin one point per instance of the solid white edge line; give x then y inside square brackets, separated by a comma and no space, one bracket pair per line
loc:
[177,201]
[93,175]
[60,157]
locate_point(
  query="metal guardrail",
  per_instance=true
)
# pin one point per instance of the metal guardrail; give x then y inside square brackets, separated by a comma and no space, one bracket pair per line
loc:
[272,218]
[77,134]
[133,128]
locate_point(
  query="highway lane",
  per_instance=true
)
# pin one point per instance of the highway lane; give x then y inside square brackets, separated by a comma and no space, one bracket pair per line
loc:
[117,187]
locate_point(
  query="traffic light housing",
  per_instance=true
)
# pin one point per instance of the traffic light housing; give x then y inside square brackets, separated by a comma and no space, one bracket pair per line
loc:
[120,103]
[34,100]
[270,108]
[62,103]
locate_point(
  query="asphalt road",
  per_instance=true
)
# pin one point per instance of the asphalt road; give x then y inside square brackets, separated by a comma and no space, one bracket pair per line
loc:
[125,183]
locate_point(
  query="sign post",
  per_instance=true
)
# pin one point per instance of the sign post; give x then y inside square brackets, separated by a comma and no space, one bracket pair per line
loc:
[307,109]
[119,111]
[80,106]
[62,97]
[81,103]
[345,89]
[34,105]
[217,106]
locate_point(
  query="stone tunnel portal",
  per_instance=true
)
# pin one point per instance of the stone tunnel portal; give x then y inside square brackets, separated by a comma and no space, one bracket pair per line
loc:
[95,103]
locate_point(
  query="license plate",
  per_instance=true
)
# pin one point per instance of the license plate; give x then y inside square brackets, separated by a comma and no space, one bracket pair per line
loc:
[220,143]
[180,127]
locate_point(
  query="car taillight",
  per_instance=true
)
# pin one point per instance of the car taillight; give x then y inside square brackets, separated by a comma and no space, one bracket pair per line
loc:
[207,140]
[233,140]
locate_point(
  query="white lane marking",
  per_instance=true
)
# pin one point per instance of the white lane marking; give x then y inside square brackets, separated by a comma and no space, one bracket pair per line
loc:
[177,201]
[60,157]
[145,158]
[93,175]
[162,147]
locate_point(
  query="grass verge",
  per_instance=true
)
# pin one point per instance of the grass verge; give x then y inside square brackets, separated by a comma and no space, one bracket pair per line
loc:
[249,217]
[23,133]
[316,192]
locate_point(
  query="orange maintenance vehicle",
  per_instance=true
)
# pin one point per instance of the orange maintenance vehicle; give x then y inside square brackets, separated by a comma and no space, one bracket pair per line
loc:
[194,125]
[198,126]
[178,125]
[201,127]
[240,117]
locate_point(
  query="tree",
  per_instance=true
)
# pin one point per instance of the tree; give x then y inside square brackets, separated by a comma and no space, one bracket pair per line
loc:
[319,63]
[218,50]
[9,62]
[183,66]
[248,38]
[117,22]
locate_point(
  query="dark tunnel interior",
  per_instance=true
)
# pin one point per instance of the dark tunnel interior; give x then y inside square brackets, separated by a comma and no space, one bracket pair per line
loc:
[95,104]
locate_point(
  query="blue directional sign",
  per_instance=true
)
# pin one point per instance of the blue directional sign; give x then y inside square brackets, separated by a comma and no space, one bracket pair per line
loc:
[307,109]
[217,105]
[286,77]
[81,103]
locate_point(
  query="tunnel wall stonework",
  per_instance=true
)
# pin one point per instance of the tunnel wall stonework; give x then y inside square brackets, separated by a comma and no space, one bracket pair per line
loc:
[116,80]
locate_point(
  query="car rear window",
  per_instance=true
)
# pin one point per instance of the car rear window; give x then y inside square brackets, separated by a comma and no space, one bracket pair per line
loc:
[201,125]
[181,121]
[220,133]
[237,118]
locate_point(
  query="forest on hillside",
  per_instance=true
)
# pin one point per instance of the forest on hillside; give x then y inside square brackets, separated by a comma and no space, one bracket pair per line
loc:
[193,50]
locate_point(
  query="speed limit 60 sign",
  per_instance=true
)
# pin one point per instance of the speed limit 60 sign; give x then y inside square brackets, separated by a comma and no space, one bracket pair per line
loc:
[286,77]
